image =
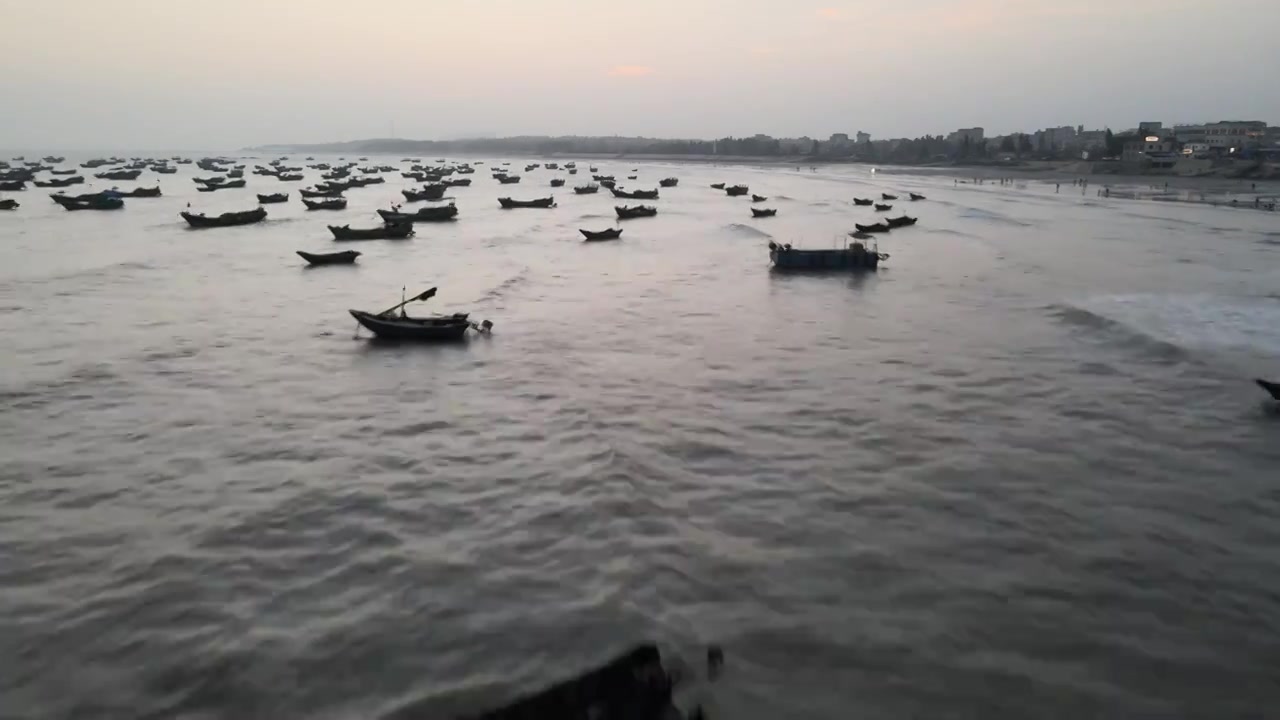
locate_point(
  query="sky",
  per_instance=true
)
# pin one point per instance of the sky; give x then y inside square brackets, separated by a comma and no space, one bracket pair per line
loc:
[226,74]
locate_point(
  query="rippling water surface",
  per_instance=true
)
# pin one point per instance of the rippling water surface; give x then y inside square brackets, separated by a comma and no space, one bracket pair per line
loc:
[1020,472]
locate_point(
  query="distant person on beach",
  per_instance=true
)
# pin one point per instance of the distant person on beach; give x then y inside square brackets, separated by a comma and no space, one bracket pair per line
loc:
[1057,187]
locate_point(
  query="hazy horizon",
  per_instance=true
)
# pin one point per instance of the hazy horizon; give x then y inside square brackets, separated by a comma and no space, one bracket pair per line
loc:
[151,74]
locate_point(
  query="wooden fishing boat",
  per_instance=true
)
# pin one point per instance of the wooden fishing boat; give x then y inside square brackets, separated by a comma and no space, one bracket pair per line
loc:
[856,256]
[285,177]
[573,171]
[99,202]
[166,170]
[863,201]
[509,179]
[883,208]
[758,198]
[319,193]
[435,213]
[346,257]
[557,182]
[600,178]
[64,171]
[429,192]
[632,686]
[915,196]
[608,183]
[53,159]
[898,222]
[8,204]
[390,325]
[627,212]
[1272,388]
[736,190]
[668,182]
[509,204]
[457,182]
[274,198]
[246,217]
[221,185]
[610,234]
[887,196]
[389,231]
[761,212]
[119,175]
[136,192]
[13,185]
[632,177]
[634,194]
[59,182]
[587,189]
[337,203]
[876,228]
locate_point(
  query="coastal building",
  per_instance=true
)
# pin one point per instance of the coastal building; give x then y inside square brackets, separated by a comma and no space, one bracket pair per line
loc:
[863,138]
[973,135]
[1151,152]
[1056,138]
[1151,128]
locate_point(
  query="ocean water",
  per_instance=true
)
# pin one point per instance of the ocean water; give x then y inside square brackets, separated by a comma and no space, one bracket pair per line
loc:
[1022,471]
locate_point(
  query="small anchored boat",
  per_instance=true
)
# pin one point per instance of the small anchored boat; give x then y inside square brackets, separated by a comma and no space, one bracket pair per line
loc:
[668,182]
[137,192]
[717,186]
[246,217]
[388,325]
[863,201]
[346,257]
[273,198]
[1272,388]
[875,228]
[898,222]
[59,182]
[758,198]
[627,212]
[509,179]
[509,204]
[610,234]
[557,182]
[8,204]
[856,256]
[319,193]
[736,190]
[634,194]
[429,192]
[887,196]
[883,208]
[337,203]
[389,231]
[99,202]
[761,212]
[435,213]
[915,196]
[587,189]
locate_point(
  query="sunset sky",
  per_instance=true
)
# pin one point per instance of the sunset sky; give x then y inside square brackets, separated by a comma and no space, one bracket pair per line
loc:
[222,74]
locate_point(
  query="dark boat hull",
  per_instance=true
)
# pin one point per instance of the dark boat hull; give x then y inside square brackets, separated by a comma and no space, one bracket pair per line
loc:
[402,330]
[855,257]
[386,232]
[1270,387]
[626,213]
[443,213]
[632,686]
[346,257]
[611,234]
[268,199]
[509,204]
[763,213]
[248,217]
